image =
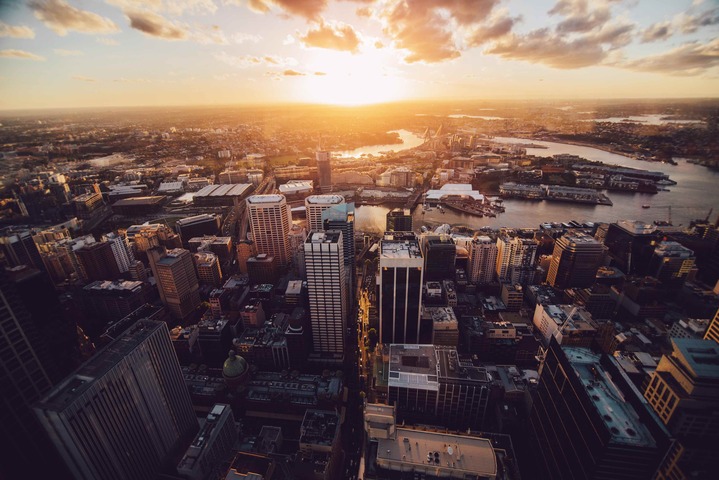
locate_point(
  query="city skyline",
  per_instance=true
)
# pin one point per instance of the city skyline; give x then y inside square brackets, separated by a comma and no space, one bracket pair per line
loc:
[58,53]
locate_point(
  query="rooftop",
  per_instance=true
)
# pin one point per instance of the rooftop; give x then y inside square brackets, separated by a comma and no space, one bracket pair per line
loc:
[399,246]
[224,190]
[618,415]
[119,286]
[319,427]
[325,199]
[329,236]
[448,454]
[698,355]
[203,217]
[637,227]
[272,198]
[133,201]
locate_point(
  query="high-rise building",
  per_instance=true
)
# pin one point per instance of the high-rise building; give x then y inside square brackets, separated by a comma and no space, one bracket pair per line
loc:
[630,245]
[208,268]
[18,248]
[712,332]
[120,250]
[270,221]
[399,220]
[400,288]
[684,392]
[97,262]
[671,263]
[324,170]
[245,250]
[316,204]
[515,259]
[342,217]
[327,288]
[482,260]
[176,279]
[575,261]
[212,445]
[262,268]
[440,253]
[590,422]
[197,226]
[124,411]
[24,363]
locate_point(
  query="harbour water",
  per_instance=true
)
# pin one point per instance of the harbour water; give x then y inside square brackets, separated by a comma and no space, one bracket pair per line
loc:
[409,140]
[696,192]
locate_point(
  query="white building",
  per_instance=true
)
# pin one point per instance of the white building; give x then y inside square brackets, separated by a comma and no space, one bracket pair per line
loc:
[515,259]
[270,221]
[316,204]
[482,260]
[569,324]
[120,250]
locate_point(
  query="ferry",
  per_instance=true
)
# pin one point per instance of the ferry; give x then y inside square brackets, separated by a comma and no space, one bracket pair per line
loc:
[646,205]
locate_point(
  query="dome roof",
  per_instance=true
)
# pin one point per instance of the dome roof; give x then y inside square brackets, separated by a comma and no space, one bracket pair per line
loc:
[234,366]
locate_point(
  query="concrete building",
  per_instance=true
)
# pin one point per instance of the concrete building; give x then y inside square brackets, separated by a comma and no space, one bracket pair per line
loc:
[176,279]
[568,324]
[689,328]
[324,170]
[97,262]
[482,260]
[208,268]
[212,445]
[341,217]
[262,268]
[712,332]
[197,226]
[512,296]
[671,263]
[575,261]
[684,392]
[270,221]
[440,253]
[124,411]
[224,195]
[400,288]
[109,301]
[320,445]
[445,328]
[630,245]
[18,248]
[515,259]
[589,421]
[399,220]
[316,204]
[327,288]
[121,250]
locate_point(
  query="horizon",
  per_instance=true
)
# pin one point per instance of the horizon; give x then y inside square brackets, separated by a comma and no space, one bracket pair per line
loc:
[130,53]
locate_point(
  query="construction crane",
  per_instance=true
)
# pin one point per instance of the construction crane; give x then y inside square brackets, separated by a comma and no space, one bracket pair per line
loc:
[669,211]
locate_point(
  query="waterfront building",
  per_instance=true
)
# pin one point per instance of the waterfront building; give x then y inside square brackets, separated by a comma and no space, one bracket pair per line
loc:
[631,244]
[123,412]
[400,288]
[575,261]
[270,221]
[327,288]
[324,170]
[223,195]
[316,204]
[176,279]
[399,220]
[589,421]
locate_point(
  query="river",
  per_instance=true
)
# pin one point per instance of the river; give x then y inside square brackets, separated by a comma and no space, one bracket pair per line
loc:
[696,192]
[409,140]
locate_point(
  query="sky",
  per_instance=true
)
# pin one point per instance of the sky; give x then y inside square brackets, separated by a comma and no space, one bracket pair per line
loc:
[94,53]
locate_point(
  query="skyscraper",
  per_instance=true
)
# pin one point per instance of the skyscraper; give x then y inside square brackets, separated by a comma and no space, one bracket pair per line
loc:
[121,413]
[324,170]
[316,204]
[97,262]
[630,244]
[176,279]
[208,268]
[400,288]
[575,261]
[440,253]
[684,392]
[342,217]
[327,288]
[671,263]
[18,248]
[482,260]
[399,220]
[270,221]
[590,422]
[515,259]
[120,250]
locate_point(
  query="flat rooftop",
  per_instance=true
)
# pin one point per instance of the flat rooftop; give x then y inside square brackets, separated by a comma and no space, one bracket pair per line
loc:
[320,427]
[698,355]
[203,217]
[329,236]
[413,366]
[449,454]
[271,198]
[618,415]
[113,286]
[399,246]
[637,227]
[325,199]
[224,190]
[136,201]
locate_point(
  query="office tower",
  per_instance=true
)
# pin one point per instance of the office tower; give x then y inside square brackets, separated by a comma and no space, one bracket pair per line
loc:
[431,384]
[122,413]
[400,288]
[108,301]
[25,362]
[399,220]
[212,445]
[567,324]
[208,268]
[138,271]
[671,263]
[197,226]
[684,392]
[18,248]
[630,245]
[295,240]
[324,170]
[482,260]
[440,253]
[712,332]
[590,422]
[515,259]
[270,221]
[575,261]
[342,217]
[327,288]
[120,250]
[245,250]
[315,205]
[97,262]
[262,268]
[176,280]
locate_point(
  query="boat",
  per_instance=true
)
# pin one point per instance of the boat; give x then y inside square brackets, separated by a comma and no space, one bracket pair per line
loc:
[646,206]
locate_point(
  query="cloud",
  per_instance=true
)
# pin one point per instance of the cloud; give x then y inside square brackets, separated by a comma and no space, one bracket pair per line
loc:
[543,46]
[692,58]
[309,9]
[16,31]
[61,18]
[498,28]
[108,41]
[247,61]
[320,74]
[240,38]
[332,36]
[681,23]
[657,32]
[292,73]
[155,25]
[67,53]
[173,7]
[82,78]
[12,53]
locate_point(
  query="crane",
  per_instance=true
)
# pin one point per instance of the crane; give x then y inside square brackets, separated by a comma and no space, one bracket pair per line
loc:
[669,211]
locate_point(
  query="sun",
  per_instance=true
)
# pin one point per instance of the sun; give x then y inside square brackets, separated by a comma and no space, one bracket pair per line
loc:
[340,78]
